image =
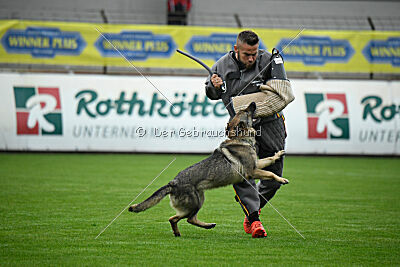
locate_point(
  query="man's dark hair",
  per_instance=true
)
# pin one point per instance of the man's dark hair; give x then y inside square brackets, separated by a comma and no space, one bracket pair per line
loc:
[248,37]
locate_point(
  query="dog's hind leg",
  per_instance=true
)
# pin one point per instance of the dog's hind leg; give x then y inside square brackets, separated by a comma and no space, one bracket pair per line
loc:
[193,220]
[186,205]
[174,224]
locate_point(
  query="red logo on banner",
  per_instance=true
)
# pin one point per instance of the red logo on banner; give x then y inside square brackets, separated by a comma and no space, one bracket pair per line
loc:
[38,111]
[327,116]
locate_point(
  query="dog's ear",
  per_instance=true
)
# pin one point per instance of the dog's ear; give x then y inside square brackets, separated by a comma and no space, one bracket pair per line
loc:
[231,133]
[231,126]
[227,129]
[233,123]
[252,107]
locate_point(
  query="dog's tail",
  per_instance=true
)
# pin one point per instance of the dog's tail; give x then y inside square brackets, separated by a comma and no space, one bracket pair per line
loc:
[153,200]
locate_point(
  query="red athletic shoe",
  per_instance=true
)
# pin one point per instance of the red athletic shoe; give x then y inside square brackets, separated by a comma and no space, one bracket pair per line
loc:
[246,225]
[257,230]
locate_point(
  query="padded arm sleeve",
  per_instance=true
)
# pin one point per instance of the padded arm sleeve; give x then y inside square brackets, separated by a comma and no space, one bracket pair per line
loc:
[273,98]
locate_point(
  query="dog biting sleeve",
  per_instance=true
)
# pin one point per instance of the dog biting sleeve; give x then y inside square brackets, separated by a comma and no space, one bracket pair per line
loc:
[274,97]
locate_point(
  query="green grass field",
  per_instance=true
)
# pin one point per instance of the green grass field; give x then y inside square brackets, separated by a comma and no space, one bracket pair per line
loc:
[53,206]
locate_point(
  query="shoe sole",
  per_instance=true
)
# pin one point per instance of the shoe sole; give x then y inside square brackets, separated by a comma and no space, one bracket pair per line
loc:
[259,233]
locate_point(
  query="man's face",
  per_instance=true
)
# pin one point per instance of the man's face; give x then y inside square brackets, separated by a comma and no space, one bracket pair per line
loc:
[246,53]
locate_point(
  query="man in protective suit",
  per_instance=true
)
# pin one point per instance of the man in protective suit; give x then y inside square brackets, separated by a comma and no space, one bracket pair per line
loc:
[237,79]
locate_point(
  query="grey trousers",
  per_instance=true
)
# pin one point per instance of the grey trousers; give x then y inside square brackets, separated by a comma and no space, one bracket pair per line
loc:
[272,139]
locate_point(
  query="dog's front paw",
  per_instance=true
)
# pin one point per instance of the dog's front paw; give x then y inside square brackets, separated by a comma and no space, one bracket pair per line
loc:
[284,181]
[280,153]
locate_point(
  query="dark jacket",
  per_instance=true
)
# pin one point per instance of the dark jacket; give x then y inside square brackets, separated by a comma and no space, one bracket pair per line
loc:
[237,78]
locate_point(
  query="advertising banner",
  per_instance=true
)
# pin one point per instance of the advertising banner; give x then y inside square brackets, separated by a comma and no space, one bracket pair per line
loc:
[344,117]
[150,46]
[103,113]
[128,114]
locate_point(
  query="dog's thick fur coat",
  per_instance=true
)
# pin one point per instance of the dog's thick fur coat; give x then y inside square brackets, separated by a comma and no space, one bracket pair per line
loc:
[234,161]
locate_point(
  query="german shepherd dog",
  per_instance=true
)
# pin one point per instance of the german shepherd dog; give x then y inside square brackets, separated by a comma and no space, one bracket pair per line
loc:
[234,161]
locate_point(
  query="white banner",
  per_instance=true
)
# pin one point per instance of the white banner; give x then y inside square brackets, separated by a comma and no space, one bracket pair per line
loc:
[344,117]
[108,113]
[118,113]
